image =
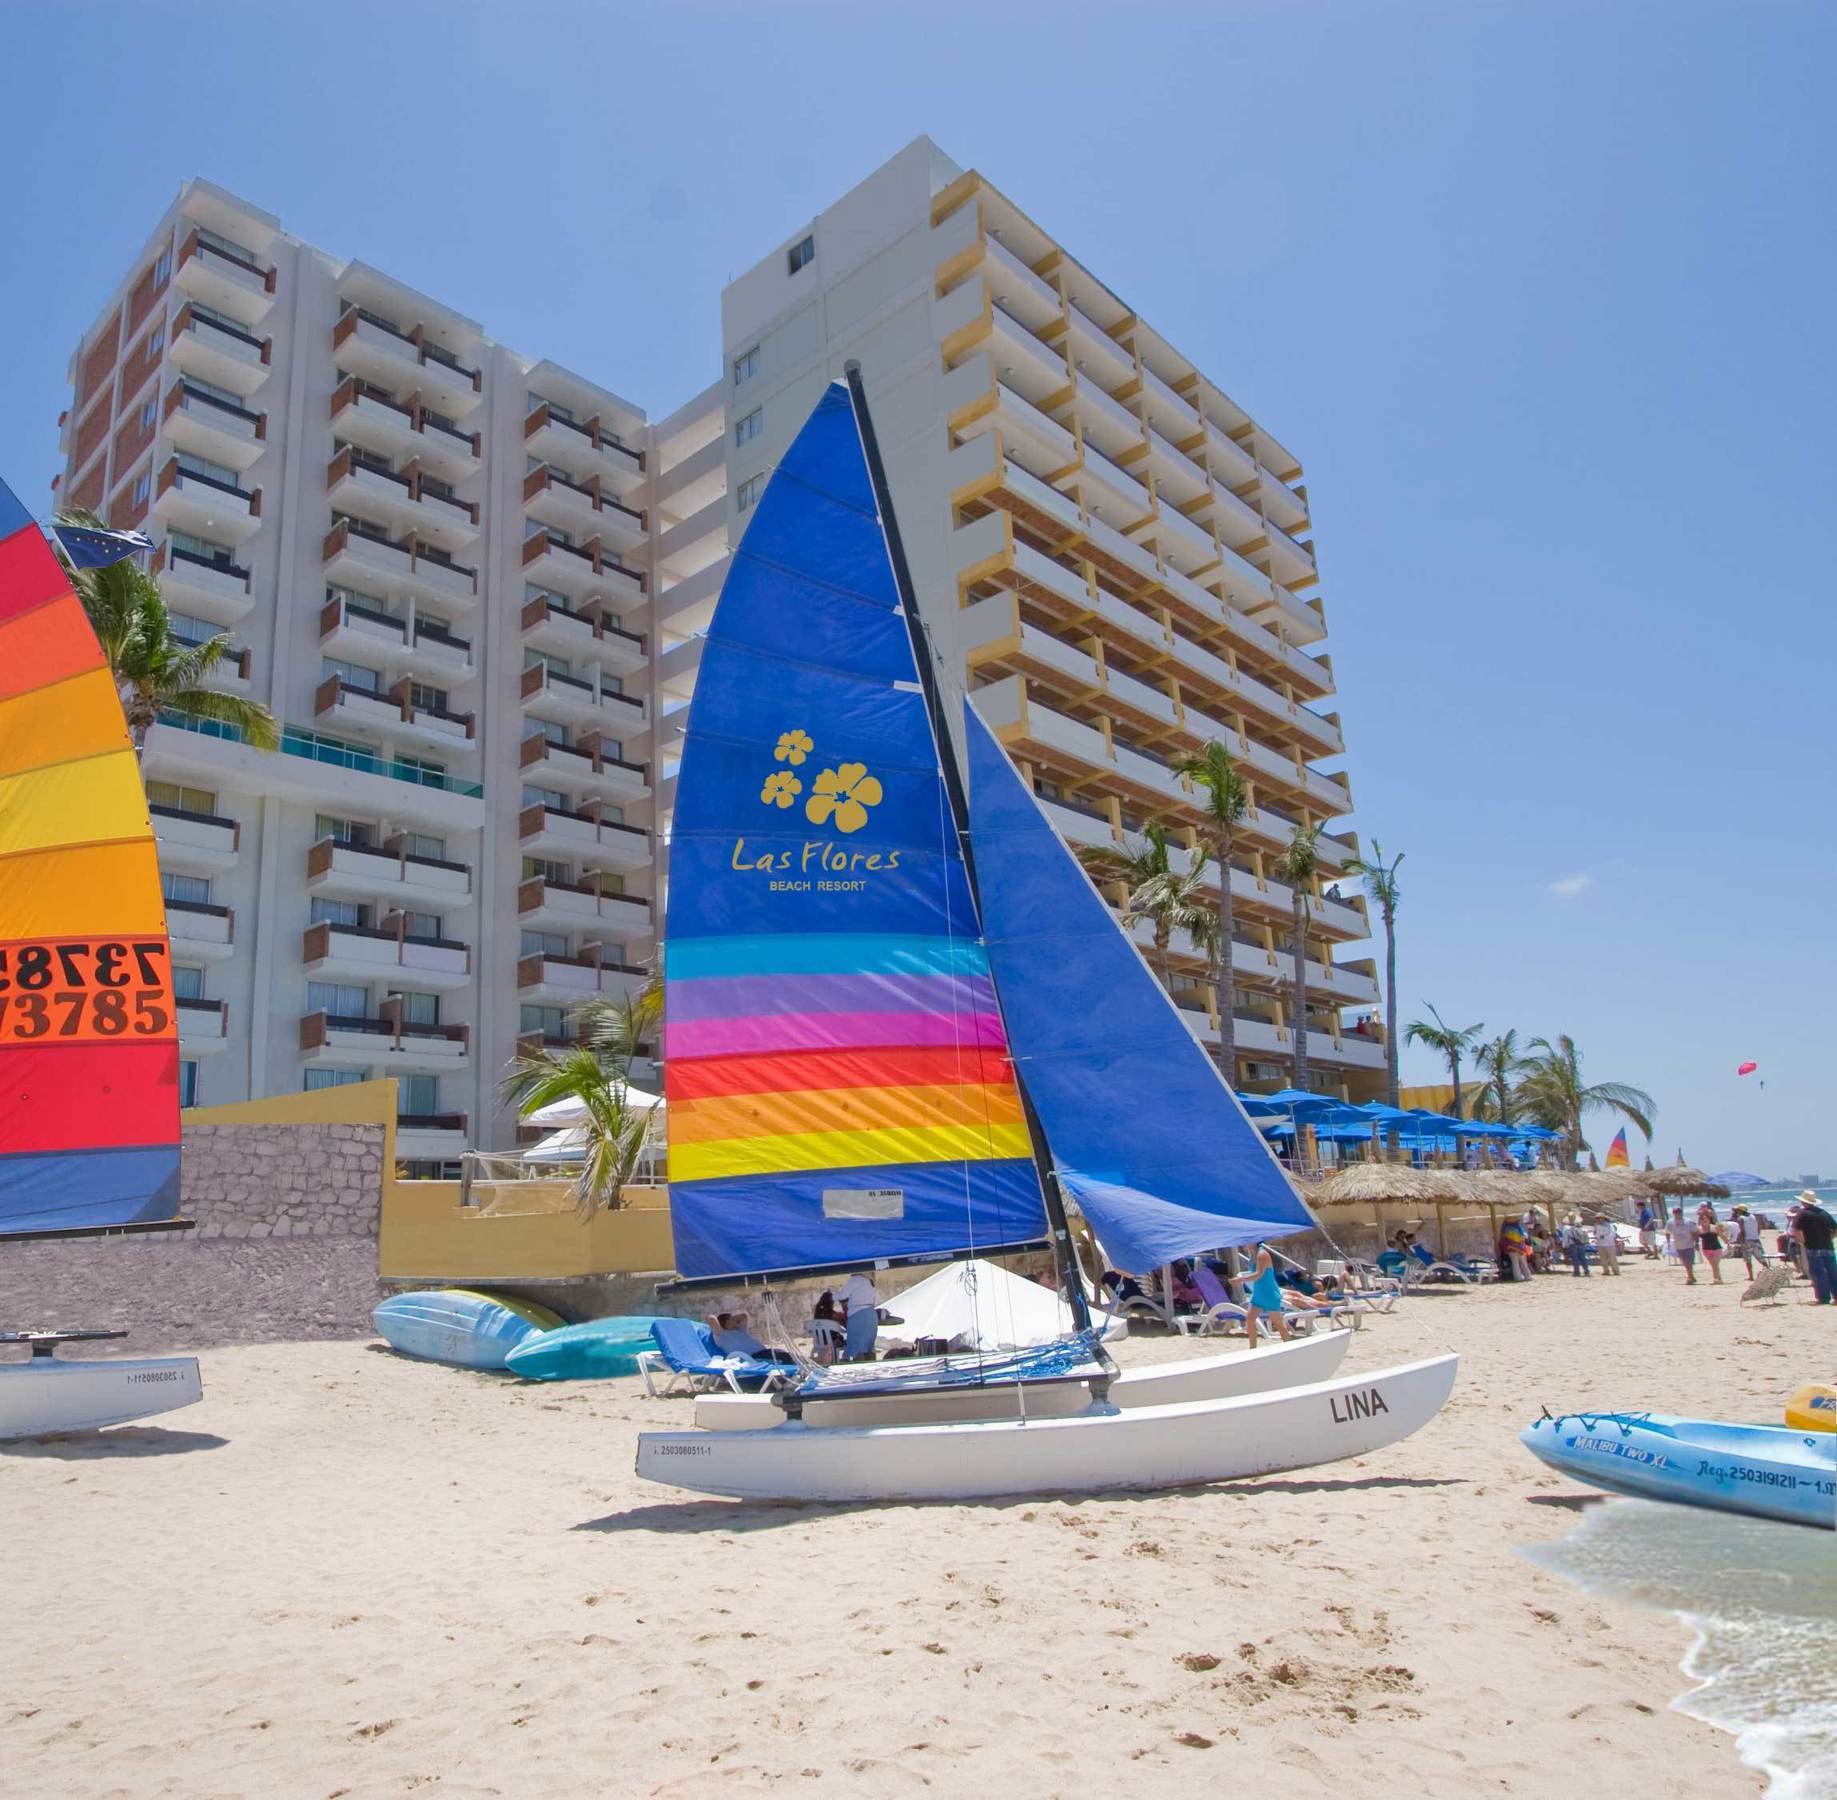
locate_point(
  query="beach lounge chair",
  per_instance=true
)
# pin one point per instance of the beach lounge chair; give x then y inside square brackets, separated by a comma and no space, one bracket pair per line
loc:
[1228,1316]
[687,1351]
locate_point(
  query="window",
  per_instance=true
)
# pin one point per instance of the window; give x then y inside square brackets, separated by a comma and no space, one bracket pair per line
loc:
[611,883]
[748,491]
[209,390]
[144,419]
[228,245]
[163,267]
[551,1021]
[425,843]
[544,943]
[801,254]
[339,912]
[185,890]
[746,365]
[433,699]
[421,924]
[407,768]
[202,465]
[202,548]
[420,1009]
[417,1096]
[189,629]
[182,799]
[351,674]
[541,796]
[556,665]
[341,999]
[745,430]
[143,488]
[156,339]
[187,982]
[331,1078]
[188,1084]
[344,831]
[540,868]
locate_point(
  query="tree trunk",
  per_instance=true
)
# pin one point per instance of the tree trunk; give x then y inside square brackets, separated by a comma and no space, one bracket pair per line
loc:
[1163,936]
[1227,982]
[1390,1003]
[1454,1075]
[1299,950]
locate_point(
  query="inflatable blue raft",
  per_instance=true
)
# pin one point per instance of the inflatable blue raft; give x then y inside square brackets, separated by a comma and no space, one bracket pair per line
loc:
[586,1352]
[1767,1471]
[460,1326]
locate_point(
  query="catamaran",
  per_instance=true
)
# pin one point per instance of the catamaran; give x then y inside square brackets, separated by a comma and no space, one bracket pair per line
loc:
[901,1026]
[89,1057]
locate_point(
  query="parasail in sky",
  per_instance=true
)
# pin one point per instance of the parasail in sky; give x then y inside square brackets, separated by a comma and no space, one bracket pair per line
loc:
[1747,1068]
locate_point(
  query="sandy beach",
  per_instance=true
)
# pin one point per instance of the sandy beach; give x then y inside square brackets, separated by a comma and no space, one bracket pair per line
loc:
[348,1574]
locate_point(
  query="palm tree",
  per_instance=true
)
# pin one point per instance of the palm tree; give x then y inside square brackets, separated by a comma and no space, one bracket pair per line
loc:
[1225,800]
[1500,1064]
[1444,1038]
[1158,892]
[1296,865]
[156,671]
[1381,886]
[1553,1092]
[596,1071]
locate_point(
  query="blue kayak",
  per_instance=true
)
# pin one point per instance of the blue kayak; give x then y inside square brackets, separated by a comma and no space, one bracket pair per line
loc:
[586,1352]
[1767,1471]
[460,1326]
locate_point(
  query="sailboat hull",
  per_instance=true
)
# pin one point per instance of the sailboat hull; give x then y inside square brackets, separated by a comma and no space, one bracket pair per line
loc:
[1225,1377]
[48,1395]
[1095,1451]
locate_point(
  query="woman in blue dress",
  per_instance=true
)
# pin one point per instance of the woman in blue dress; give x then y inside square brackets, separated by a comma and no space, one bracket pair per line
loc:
[1265,1298]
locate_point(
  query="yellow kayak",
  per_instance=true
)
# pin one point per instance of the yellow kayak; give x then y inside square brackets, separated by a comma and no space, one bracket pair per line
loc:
[1813,1408]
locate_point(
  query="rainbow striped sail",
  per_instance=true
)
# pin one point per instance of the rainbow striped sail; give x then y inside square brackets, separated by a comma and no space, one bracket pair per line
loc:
[89,1116]
[1617,1157]
[836,1066]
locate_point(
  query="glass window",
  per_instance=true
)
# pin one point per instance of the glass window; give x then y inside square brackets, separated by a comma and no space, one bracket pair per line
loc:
[183,799]
[351,674]
[156,339]
[189,629]
[417,1096]
[187,890]
[200,547]
[745,430]
[611,883]
[341,999]
[145,417]
[421,694]
[545,943]
[187,982]
[331,1078]
[541,796]
[202,465]
[421,924]
[746,365]
[425,843]
[540,867]
[410,766]
[420,1009]
[188,1084]
[802,253]
[748,491]
[338,912]
[163,267]
[143,487]
[343,831]
[551,1021]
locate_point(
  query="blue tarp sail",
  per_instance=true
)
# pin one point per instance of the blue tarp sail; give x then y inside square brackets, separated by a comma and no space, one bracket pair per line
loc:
[835,1061]
[1144,1133]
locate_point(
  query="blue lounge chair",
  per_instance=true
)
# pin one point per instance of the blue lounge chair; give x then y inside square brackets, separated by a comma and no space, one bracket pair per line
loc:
[687,1350]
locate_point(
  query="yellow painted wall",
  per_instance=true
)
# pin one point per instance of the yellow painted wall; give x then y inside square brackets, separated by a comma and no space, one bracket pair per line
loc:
[358,1103]
[1436,1097]
[428,1236]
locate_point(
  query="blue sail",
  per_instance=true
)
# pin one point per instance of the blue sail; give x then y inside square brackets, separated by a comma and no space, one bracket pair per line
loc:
[834,1059]
[1145,1135]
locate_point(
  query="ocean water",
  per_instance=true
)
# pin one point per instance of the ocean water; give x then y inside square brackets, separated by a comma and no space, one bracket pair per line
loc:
[1762,1599]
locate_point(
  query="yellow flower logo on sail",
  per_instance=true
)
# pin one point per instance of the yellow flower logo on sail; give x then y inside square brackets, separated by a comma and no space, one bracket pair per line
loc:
[781,789]
[793,747]
[843,796]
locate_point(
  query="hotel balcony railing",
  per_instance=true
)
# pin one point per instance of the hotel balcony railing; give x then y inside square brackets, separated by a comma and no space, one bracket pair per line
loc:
[297,740]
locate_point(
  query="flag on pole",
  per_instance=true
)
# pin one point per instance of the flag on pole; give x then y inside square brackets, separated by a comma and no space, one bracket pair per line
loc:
[88,547]
[1617,1151]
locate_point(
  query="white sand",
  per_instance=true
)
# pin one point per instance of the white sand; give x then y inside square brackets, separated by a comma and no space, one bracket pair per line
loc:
[347,1574]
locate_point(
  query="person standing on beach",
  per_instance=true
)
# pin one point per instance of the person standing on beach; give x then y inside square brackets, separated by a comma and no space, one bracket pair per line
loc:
[1607,1245]
[1709,1239]
[1648,1230]
[1575,1242]
[1745,1229]
[1816,1232]
[1264,1301]
[1683,1239]
[862,1306]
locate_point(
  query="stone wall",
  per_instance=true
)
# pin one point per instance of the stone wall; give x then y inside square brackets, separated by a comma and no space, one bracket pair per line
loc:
[282,1181]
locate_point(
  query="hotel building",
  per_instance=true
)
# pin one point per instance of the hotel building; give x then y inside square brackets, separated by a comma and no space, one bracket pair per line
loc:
[470,587]
[1113,557]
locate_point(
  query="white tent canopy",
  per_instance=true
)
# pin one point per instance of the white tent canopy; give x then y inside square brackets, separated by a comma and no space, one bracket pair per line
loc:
[572,1112]
[981,1305]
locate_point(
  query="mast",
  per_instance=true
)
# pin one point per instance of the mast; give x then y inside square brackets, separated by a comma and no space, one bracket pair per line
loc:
[1071,1278]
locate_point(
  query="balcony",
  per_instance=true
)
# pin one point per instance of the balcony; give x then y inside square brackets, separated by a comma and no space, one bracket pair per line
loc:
[581,572]
[583,768]
[1255,1036]
[204,1026]
[386,1043]
[403,503]
[236,286]
[567,980]
[430,1137]
[583,449]
[407,434]
[574,700]
[204,505]
[195,843]
[583,836]
[1290,562]
[582,636]
[346,706]
[348,628]
[367,953]
[387,871]
[436,653]
[580,508]
[405,362]
[200,930]
[363,556]
[576,906]
[214,589]
[219,351]
[217,430]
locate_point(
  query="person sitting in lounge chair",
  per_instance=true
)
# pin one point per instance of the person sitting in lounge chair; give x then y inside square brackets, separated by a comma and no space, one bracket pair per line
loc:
[732,1338]
[1182,1290]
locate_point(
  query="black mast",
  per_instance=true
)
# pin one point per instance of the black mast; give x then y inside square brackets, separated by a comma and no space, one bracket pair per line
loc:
[1070,1276]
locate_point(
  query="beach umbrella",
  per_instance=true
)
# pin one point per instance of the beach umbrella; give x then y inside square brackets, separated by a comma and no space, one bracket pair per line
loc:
[1376,1184]
[1681,1179]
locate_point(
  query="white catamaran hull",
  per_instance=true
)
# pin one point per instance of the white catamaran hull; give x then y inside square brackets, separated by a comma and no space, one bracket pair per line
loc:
[1095,1451]
[1203,1378]
[46,1395]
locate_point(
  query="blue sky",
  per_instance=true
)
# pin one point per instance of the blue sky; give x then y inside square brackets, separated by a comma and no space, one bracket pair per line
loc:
[1541,294]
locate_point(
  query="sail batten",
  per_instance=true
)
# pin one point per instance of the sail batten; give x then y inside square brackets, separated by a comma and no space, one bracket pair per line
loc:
[834,1056]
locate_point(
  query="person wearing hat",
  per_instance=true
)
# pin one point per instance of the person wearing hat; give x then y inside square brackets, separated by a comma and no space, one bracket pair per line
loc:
[861,1306]
[1744,1228]
[1607,1245]
[1816,1232]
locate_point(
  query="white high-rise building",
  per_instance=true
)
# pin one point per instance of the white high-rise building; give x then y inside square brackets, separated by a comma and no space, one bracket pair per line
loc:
[1110,552]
